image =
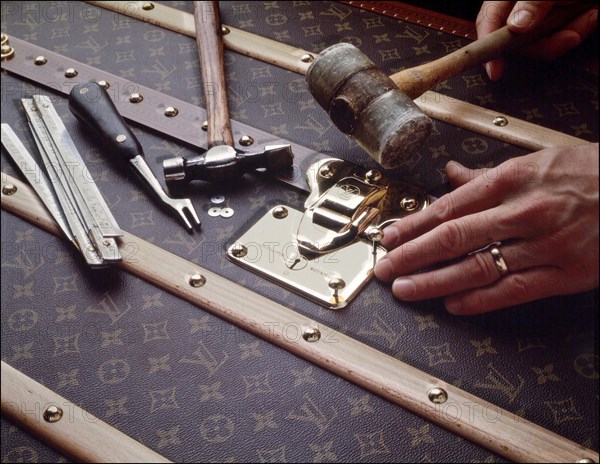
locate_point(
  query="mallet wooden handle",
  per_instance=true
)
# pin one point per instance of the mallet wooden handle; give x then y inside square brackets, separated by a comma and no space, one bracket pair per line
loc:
[416,81]
[210,51]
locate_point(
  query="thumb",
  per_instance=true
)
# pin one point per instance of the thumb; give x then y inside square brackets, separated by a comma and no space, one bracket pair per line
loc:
[459,175]
[526,16]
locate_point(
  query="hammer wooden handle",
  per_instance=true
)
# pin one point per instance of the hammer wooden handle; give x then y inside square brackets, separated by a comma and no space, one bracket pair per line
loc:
[416,81]
[210,51]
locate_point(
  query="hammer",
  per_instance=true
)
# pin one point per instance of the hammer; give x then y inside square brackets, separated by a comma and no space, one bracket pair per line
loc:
[379,112]
[222,161]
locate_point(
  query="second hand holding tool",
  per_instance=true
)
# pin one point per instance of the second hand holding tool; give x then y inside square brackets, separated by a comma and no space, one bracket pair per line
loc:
[92,105]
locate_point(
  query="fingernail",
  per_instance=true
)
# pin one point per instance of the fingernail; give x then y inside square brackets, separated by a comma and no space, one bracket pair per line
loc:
[383,269]
[593,19]
[453,305]
[488,69]
[390,237]
[521,18]
[404,288]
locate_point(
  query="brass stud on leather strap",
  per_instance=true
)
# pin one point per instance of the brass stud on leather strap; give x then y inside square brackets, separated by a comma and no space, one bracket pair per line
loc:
[9,189]
[197,280]
[500,121]
[40,60]
[307,58]
[311,334]
[135,97]
[171,112]
[7,52]
[148,6]
[239,250]
[205,126]
[246,140]
[71,72]
[104,84]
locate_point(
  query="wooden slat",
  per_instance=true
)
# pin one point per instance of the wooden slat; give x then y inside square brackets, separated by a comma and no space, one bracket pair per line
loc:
[467,415]
[438,106]
[78,434]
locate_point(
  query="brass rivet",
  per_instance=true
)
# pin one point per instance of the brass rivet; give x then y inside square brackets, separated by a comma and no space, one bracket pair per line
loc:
[409,204]
[9,189]
[246,140]
[7,52]
[197,280]
[307,58]
[372,176]
[135,97]
[104,84]
[225,30]
[437,395]
[40,60]
[84,91]
[71,72]
[280,212]
[500,121]
[336,284]
[374,234]
[148,6]
[53,414]
[239,251]
[311,334]
[205,126]
[171,112]
[121,138]
[326,171]
[4,38]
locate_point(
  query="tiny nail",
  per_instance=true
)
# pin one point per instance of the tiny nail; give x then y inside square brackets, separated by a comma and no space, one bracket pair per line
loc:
[404,288]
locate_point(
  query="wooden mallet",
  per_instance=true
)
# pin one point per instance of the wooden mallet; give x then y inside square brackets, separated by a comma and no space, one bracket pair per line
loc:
[379,112]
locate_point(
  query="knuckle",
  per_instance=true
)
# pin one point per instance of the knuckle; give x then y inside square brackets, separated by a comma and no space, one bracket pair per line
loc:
[482,270]
[518,289]
[451,235]
[445,208]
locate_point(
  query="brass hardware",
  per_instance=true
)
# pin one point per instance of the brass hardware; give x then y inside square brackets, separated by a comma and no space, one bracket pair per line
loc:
[336,284]
[135,97]
[409,204]
[280,212]
[53,414]
[585,460]
[4,38]
[205,126]
[437,395]
[500,121]
[327,171]
[7,52]
[225,30]
[197,280]
[148,6]
[373,176]
[9,189]
[121,138]
[246,141]
[311,334]
[40,60]
[239,251]
[307,58]
[374,234]
[104,84]
[171,112]
[71,72]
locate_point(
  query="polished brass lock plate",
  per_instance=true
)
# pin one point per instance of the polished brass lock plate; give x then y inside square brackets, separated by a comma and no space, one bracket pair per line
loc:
[270,249]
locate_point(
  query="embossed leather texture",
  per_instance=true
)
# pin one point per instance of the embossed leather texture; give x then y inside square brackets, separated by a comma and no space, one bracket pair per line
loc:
[195,388]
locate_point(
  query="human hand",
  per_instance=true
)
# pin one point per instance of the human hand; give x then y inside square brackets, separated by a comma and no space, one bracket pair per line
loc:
[543,207]
[524,16]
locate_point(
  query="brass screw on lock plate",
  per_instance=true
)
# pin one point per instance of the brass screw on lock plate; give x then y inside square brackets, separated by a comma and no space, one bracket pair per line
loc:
[205,126]
[53,414]
[280,212]
[336,284]
[40,60]
[135,97]
[246,140]
[171,112]
[239,250]
[71,72]
[9,189]
[372,176]
[326,171]
[409,204]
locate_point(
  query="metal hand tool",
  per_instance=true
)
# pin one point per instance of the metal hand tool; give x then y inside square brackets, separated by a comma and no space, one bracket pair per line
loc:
[222,161]
[92,105]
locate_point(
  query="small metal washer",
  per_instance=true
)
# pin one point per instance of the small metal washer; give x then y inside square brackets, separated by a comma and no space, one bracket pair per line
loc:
[214,212]
[217,199]
[226,212]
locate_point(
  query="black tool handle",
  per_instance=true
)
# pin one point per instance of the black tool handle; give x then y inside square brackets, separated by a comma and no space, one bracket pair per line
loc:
[91,104]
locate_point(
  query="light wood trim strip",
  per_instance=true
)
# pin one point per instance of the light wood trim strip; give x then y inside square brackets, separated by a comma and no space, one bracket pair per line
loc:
[464,414]
[78,434]
[438,106]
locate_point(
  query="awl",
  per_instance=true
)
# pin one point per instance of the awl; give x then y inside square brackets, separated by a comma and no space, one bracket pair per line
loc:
[91,104]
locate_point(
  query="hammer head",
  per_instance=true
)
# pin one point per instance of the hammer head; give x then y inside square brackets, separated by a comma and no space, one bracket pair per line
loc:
[363,102]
